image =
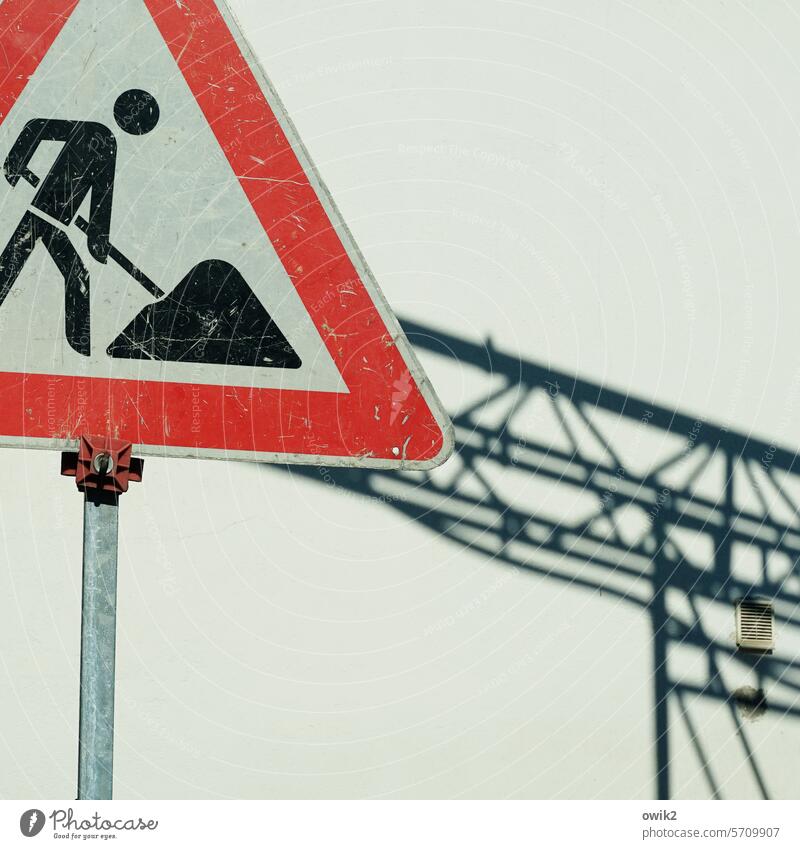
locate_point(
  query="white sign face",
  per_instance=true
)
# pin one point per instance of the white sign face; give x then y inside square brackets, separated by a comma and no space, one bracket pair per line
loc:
[176,202]
[172,269]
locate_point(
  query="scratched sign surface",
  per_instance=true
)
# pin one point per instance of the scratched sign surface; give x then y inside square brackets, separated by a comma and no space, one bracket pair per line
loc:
[173,271]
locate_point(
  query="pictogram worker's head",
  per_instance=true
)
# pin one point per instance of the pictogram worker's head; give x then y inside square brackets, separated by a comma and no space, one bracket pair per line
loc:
[136,112]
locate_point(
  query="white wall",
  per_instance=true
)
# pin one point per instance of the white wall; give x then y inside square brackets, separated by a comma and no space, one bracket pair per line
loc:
[607,189]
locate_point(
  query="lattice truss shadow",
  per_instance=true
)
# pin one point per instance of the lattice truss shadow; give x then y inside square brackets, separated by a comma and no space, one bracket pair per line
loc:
[602,490]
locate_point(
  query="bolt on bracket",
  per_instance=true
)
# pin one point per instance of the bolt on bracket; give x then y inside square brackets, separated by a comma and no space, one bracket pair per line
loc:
[102,465]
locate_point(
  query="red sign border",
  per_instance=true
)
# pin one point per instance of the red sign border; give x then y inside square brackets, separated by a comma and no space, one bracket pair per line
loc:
[390,417]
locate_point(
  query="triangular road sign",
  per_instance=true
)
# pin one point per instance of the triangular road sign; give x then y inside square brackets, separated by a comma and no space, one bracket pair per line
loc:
[173,272]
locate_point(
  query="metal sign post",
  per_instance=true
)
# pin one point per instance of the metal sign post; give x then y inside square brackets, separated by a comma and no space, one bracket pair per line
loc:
[103,469]
[98,643]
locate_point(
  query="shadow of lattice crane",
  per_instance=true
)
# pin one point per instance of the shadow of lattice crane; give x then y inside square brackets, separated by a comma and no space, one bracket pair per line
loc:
[669,504]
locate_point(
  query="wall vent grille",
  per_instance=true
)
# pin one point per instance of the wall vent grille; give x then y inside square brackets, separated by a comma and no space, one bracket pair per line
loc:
[755,625]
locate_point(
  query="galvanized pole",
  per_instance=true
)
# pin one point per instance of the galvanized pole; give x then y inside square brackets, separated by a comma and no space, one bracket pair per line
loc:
[98,643]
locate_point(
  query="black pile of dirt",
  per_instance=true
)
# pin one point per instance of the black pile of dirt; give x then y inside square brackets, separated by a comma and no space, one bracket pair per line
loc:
[213,317]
